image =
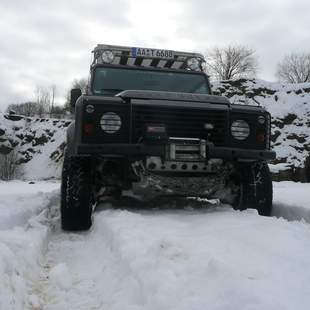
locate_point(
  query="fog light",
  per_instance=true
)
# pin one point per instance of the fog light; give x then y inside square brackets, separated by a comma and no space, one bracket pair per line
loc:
[107,56]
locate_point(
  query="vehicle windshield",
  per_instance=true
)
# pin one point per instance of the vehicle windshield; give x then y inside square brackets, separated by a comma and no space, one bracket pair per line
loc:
[110,81]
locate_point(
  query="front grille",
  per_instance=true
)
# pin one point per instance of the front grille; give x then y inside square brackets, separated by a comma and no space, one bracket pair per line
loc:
[181,122]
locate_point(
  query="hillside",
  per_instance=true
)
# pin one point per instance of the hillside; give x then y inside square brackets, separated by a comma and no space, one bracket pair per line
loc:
[289,105]
[39,143]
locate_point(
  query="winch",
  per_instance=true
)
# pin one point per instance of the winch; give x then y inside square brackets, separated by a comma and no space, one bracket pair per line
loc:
[184,155]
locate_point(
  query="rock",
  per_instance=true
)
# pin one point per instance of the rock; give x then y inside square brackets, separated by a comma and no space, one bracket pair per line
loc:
[293,136]
[29,137]
[275,135]
[289,119]
[4,149]
[40,140]
[59,153]
[13,117]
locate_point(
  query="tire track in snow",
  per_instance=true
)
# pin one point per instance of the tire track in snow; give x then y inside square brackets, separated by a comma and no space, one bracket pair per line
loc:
[85,271]
[291,201]
[22,247]
[97,269]
[176,259]
[23,207]
[291,212]
[73,278]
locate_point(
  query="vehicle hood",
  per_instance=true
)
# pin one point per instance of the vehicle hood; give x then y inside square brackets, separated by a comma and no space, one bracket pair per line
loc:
[172,96]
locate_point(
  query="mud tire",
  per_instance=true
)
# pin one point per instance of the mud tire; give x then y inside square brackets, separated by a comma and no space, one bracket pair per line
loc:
[76,194]
[255,188]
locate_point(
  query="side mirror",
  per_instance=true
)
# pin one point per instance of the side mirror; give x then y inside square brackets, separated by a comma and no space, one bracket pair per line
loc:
[74,95]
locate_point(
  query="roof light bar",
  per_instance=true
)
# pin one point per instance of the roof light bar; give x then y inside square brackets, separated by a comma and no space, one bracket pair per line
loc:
[147,57]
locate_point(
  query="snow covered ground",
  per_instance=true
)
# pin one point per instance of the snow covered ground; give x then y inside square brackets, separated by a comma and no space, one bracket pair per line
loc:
[292,201]
[25,211]
[203,258]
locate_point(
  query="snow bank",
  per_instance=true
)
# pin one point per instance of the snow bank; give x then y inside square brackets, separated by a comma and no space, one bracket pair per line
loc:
[291,201]
[23,234]
[19,201]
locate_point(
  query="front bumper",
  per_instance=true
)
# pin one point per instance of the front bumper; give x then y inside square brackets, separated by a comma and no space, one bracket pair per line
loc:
[141,150]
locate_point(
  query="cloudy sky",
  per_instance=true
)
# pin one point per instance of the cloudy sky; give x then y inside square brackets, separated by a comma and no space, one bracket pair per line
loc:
[46,42]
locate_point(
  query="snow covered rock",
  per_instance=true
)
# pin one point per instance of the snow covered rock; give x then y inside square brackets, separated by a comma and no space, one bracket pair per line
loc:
[38,143]
[289,105]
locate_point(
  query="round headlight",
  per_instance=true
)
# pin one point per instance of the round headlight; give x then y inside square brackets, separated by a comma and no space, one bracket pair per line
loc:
[107,56]
[240,129]
[193,64]
[110,122]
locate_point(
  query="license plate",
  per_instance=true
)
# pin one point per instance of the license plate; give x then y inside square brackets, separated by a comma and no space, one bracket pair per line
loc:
[151,53]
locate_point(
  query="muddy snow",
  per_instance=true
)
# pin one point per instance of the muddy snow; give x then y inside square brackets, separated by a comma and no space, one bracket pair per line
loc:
[210,257]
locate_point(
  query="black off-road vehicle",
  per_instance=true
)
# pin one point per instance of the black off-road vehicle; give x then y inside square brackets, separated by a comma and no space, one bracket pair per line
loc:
[148,124]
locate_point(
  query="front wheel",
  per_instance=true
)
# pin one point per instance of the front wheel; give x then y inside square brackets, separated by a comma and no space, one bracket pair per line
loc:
[76,194]
[255,188]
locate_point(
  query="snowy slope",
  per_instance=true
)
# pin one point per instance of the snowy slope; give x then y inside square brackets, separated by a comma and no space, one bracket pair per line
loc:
[289,105]
[205,258]
[39,143]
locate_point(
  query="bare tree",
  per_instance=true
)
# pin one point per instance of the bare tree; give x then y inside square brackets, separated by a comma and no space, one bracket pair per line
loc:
[77,83]
[294,68]
[231,62]
[28,108]
[43,105]
[53,93]
[8,165]
[43,100]
[80,83]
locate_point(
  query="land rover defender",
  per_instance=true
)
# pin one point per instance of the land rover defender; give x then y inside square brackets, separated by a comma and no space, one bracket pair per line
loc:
[148,124]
